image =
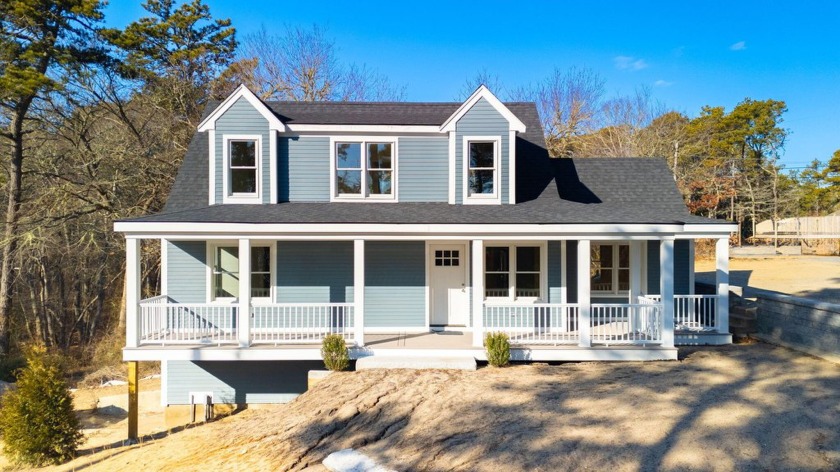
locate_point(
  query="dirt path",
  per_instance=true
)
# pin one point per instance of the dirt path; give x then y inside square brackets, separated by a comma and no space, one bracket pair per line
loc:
[741,407]
[805,276]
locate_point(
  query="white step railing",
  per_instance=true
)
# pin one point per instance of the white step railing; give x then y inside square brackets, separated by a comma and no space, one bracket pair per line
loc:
[300,323]
[691,312]
[539,323]
[164,322]
[638,323]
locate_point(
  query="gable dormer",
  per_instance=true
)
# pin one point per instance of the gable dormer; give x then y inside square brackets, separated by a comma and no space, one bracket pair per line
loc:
[242,133]
[482,137]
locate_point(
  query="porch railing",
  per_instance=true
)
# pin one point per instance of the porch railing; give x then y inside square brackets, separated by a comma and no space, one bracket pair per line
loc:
[539,323]
[692,312]
[300,323]
[638,323]
[164,322]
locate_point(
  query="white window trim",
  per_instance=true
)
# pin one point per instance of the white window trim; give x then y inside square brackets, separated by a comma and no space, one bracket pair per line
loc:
[483,199]
[227,196]
[392,198]
[512,298]
[211,263]
[615,269]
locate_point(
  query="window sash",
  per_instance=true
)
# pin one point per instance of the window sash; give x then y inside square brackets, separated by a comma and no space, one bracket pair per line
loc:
[473,171]
[374,176]
[613,270]
[225,272]
[514,278]
[249,171]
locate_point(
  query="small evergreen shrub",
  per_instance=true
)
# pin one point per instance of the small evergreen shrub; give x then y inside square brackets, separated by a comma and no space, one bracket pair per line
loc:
[37,421]
[497,346]
[335,353]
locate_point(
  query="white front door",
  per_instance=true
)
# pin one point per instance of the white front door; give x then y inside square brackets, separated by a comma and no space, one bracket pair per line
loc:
[448,266]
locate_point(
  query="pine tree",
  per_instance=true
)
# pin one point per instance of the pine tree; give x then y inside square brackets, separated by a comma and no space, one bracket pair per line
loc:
[37,421]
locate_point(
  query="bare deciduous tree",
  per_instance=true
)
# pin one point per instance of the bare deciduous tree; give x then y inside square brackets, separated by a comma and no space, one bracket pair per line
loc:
[302,64]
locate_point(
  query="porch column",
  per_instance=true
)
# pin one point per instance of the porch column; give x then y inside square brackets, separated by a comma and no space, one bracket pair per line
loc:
[564,277]
[132,292]
[478,292]
[359,292]
[722,282]
[583,293]
[243,321]
[666,289]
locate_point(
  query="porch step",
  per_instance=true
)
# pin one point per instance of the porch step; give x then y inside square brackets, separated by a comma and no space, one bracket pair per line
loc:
[424,362]
[742,319]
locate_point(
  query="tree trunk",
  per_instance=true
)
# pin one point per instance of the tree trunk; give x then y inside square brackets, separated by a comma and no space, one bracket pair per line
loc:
[11,227]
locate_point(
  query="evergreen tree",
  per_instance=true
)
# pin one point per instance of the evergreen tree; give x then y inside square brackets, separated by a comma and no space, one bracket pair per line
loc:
[37,420]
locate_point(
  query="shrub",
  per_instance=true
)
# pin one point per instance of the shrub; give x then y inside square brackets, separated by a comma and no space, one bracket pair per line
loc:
[335,353]
[497,346]
[37,420]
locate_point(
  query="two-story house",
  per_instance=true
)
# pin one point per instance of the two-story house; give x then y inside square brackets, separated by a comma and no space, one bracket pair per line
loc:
[411,229]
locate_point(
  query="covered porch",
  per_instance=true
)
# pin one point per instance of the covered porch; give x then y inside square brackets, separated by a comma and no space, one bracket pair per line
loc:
[564,318]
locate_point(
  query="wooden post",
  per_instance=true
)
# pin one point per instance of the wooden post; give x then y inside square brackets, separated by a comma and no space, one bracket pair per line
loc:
[478,292]
[359,292]
[133,397]
[584,298]
[666,289]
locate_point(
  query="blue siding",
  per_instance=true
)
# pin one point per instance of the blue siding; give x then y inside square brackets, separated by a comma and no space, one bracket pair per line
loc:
[303,169]
[423,169]
[242,118]
[186,271]
[571,266]
[653,267]
[238,382]
[681,267]
[395,284]
[481,120]
[555,271]
[315,272]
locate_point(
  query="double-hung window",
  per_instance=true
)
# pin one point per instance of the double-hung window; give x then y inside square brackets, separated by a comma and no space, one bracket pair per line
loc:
[482,176]
[225,277]
[513,272]
[610,268]
[242,156]
[364,169]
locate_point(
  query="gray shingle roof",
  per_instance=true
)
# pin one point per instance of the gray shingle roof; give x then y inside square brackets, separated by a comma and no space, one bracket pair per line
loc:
[549,191]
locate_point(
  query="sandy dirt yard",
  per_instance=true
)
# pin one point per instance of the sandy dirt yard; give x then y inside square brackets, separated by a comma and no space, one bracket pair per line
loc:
[738,407]
[805,276]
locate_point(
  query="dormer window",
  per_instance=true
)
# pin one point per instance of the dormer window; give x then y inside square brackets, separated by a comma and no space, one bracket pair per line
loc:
[481,169]
[364,169]
[243,157]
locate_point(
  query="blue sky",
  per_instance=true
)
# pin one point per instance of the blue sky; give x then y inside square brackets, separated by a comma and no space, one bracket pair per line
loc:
[690,53]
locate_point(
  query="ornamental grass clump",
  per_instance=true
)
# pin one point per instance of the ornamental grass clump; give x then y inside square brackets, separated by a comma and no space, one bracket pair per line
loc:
[335,353]
[497,346]
[37,421]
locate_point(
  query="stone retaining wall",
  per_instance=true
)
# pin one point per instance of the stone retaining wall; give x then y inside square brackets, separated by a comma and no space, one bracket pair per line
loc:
[799,323]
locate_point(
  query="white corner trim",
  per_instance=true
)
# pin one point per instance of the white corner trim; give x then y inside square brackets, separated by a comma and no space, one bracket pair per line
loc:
[226,196]
[211,145]
[164,267]
[496,197]
[453,140]
[485,93]
[242,91]
[364,198]
[272,166]
[512,167]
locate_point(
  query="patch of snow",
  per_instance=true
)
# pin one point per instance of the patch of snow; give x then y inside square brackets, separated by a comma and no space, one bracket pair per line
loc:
[112,383]
[348,460]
